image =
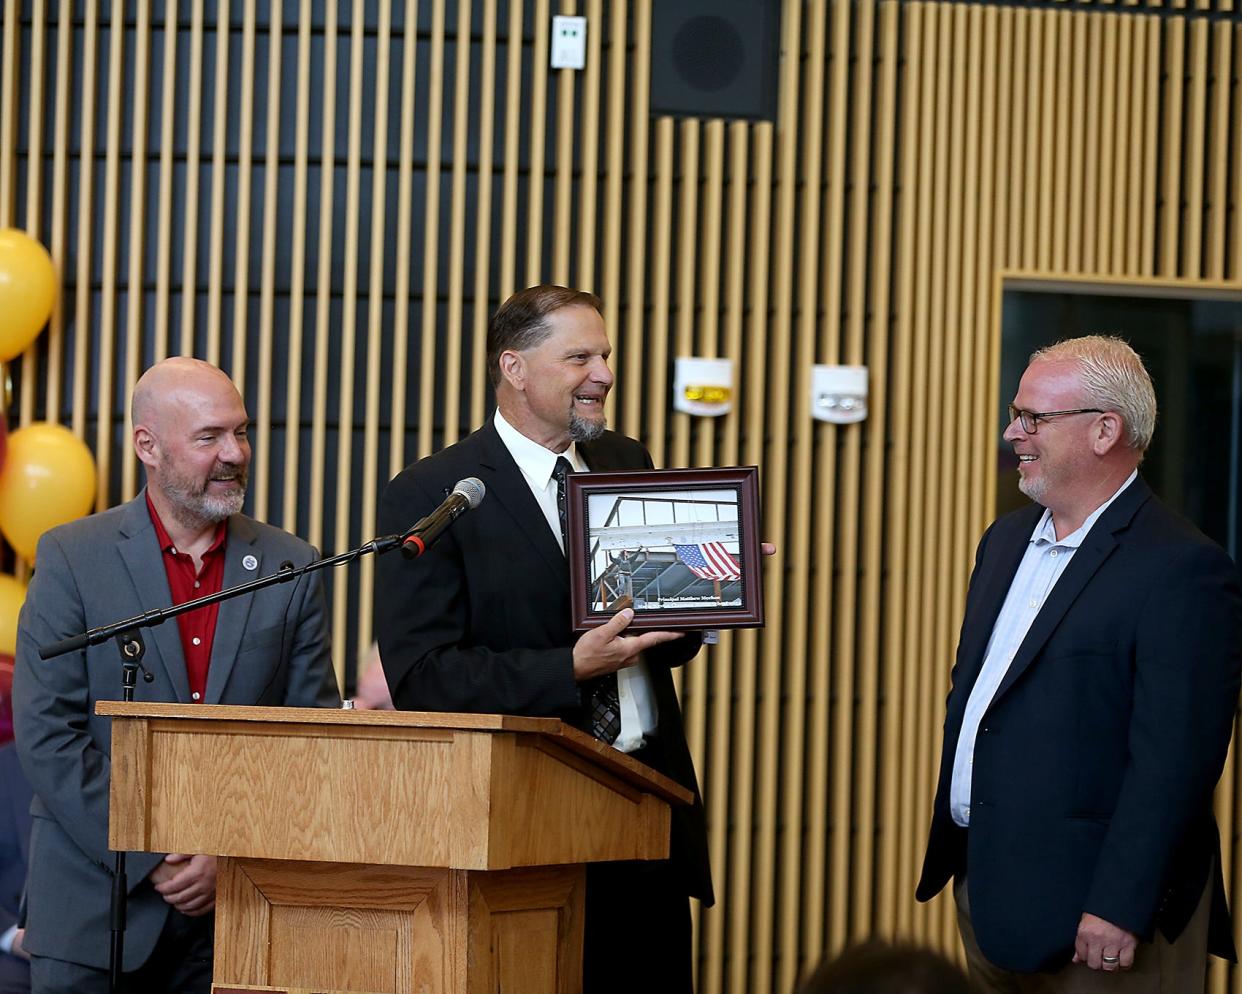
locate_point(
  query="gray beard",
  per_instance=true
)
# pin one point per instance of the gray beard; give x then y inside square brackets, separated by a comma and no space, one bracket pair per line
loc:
[583,430]
[1036,490]
[193,507]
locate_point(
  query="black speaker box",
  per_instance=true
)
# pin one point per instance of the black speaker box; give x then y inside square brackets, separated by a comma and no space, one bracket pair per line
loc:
[715,58]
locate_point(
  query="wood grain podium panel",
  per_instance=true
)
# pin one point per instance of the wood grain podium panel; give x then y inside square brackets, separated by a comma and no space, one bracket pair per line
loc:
[386,854]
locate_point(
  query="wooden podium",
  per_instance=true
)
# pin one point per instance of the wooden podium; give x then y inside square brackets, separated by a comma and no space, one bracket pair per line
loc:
[387,852]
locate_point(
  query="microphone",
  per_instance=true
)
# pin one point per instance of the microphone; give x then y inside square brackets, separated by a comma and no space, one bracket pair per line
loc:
[468,494]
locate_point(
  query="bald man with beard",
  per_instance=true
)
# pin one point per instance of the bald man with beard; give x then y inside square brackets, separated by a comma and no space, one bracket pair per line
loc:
[183,537]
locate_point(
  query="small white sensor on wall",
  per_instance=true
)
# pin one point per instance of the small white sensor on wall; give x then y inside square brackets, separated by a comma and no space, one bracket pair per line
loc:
[839,394]
[703,387]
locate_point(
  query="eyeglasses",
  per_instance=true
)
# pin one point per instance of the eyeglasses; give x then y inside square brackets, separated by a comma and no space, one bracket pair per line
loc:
[1030,419]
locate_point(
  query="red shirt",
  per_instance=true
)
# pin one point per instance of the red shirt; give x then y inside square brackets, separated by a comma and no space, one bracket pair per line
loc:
[198,628]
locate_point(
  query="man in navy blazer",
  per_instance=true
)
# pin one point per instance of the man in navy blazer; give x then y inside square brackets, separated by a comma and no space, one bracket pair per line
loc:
[481,623]
[14,854]
[1092,702]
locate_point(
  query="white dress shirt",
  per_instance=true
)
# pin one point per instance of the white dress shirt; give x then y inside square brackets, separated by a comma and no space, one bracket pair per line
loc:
[639,715]
[1042,565]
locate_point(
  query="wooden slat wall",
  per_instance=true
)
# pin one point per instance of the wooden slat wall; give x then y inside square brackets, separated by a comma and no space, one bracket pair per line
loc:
[435,164]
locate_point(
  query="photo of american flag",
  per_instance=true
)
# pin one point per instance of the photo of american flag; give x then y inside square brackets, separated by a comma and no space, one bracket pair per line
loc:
[709,560]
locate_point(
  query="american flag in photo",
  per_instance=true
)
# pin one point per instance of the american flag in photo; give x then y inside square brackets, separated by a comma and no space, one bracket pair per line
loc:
[709,560]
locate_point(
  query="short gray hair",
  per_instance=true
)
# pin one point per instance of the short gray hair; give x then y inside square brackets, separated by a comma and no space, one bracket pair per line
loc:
[1114,378]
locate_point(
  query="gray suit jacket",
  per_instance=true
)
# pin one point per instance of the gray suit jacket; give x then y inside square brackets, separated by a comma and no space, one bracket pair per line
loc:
[270,648]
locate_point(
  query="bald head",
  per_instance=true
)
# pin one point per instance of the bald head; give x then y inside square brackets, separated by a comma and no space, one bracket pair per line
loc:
[164,385]
[190,433]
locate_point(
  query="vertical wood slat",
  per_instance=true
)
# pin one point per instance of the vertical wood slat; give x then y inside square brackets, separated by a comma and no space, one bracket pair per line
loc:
[431,235]
[661,289]
[1103,236]
[1195,148]
[137,228]
[60,197]
[588,194]
[538,141]
[1124,144]
[1078,124]
[405,198]
[716,786]
[34,183]
[912,923]
[107,315]
[9,72]
[854,751]
[686,255]
[798,864]
[323,287]
[775,469]
[638,236]
[565,141]
[262,404]
[1219,167]
[1140,141]
[614,188]
[342,578]
[507,281]
[1060,109]
[375,330]
[1171,152]
[876,819]
[483,224]
[163,253]
[241,220]
[215,265]
[86,213]
[194,100]
[457,232]
[701,447]
[297,280]
[895,909]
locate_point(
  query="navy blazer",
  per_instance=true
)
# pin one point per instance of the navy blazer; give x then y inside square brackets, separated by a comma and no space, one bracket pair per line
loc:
[481,623]
[1095,763]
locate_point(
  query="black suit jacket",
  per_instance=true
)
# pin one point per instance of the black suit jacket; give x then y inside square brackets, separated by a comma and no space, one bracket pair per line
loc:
[481,623]
[1095,763]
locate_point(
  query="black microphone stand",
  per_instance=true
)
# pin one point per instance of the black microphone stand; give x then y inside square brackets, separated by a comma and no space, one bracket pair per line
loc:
[128,636]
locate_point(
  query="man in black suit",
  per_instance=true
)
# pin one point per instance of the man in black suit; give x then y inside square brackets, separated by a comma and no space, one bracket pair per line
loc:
[1093,698]
[482,623]
[14,851]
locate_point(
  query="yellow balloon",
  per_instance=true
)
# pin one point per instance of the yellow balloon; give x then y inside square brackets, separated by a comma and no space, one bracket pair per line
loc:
[12,595]
[48,478]
[27,291]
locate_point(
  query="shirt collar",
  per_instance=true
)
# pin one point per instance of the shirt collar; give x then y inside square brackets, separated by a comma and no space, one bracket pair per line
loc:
[165,540]
[1045,532]
[535,461]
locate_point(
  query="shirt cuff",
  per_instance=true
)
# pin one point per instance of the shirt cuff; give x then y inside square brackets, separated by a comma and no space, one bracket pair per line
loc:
[6,940]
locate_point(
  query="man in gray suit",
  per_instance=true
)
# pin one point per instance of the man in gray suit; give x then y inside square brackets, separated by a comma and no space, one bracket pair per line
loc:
[183,537]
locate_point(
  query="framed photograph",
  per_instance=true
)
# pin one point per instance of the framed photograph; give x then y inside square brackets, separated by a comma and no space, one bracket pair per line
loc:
[679,546]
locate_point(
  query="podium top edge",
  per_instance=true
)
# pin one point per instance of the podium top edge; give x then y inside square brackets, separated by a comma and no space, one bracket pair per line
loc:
[552,729]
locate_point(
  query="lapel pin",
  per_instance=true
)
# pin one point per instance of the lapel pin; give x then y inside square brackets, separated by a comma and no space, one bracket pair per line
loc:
[250,563]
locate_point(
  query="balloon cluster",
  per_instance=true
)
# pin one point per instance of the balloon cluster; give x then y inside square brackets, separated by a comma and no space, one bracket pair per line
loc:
[47,474]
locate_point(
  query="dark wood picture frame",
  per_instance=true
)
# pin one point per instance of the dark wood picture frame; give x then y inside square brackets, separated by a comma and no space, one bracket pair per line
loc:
[683,591]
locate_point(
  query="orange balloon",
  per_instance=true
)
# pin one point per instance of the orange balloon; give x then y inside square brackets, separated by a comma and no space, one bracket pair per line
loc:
[27,291]
[48,478]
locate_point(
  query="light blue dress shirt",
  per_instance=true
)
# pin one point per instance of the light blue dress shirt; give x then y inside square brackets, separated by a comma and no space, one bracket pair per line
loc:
[1042,565]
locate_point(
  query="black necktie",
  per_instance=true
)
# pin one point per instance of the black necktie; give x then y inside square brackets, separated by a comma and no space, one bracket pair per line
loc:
[601,712]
